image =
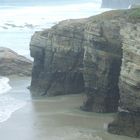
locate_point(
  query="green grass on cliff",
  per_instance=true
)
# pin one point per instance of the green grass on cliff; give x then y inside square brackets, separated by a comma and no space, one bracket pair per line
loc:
[131,15]
[134,14]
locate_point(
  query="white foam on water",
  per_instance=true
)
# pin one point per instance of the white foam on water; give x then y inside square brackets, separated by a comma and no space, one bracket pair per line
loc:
[18,23]
[38,16]
[8,104]
[4,86]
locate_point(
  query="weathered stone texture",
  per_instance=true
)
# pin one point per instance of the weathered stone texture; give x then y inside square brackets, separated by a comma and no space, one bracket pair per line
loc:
[78,55]
[129,84]
[102,61]
[86,55]
[58,59]
[13,64]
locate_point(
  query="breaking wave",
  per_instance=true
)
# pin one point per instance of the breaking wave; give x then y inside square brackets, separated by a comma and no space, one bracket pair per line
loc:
[8,104]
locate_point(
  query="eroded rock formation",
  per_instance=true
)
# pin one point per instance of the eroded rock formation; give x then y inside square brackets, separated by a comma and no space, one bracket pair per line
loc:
[86,55]
[13,64]
[127,121]
[58,59]
[102,61]
[78,55]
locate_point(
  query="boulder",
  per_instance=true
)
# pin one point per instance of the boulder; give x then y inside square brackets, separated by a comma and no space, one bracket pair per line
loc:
[13,64]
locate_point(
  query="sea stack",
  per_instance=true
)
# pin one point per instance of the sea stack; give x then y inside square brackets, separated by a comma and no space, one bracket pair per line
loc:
[76,56]
[58,59]
[99,56]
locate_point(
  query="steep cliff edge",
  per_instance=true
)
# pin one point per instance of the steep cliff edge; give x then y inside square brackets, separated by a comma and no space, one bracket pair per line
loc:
[102,62]
[127,121]
[78,55]
[86,55]
[58,59]
[102,59]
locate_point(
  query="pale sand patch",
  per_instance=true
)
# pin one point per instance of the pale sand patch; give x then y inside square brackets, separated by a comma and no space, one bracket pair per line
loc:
[57,118]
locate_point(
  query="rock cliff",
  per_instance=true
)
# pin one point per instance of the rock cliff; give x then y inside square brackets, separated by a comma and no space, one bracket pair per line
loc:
[58,59]
[78,55]
[128,119]
[13,64]
[102,61]
[87,55]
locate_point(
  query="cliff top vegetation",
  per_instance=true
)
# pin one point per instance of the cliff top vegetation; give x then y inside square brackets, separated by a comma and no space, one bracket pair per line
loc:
[131,15]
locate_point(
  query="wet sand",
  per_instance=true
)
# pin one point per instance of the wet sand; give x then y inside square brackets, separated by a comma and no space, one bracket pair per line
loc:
[56,118]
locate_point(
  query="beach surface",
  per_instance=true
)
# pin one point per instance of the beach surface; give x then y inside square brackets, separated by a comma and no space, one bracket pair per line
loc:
[53,118]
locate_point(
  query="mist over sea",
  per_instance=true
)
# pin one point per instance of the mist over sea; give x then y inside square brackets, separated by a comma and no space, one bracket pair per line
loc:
[20,19]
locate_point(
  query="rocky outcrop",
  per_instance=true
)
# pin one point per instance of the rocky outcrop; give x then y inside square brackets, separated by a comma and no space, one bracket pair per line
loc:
[76,55]
[13,64]
[127,121]
[58,59]
[102,61]
[119,3]
[86,55]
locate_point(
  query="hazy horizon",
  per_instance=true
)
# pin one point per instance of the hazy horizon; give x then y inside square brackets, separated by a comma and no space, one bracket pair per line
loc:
[44,2]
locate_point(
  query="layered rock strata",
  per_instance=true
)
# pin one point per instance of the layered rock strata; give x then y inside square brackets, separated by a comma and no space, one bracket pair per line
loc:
[102,61]
[78,55]
[127,121]
[13,64]
[86,55]
[58,59]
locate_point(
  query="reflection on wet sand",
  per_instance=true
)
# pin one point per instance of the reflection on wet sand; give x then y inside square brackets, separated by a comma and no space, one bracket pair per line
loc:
[57,118]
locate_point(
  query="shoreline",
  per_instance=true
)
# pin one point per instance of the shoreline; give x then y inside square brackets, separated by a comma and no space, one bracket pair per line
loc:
[55,118]
[15,97]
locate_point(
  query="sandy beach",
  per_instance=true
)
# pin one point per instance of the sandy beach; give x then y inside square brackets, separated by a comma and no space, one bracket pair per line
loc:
[54,118]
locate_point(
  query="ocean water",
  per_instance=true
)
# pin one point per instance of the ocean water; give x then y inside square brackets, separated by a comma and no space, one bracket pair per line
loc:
[8,104]
[13,95]
[20,19]
[4,86]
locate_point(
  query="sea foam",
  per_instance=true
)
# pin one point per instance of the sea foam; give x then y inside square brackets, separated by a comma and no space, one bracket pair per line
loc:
[8,104]
[4,86]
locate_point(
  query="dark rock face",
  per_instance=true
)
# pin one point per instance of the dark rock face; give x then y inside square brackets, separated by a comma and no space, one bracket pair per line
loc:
[128,122]
[58,60]
[102,62]
[119,3]
[100,55]
[78,55]
[13,64]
